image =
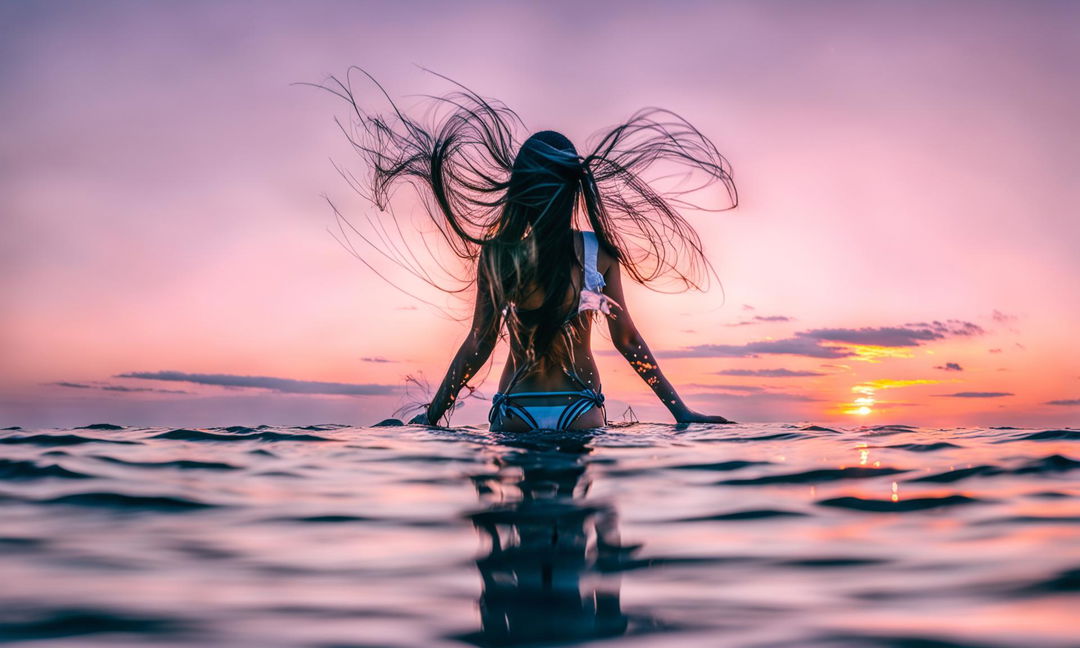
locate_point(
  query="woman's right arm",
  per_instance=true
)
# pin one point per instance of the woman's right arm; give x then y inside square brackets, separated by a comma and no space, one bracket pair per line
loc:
[472,354]
[632,346]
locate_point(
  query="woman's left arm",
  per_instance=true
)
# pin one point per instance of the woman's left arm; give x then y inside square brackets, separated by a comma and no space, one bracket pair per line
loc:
[473,353]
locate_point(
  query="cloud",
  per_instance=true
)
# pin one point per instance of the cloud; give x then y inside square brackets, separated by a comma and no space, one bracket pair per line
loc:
[376,359]
[71,385]
[283,385]
[871,343]
[768,373]
[747,307]
[123,388]
[115,388]
[764,397]
[907,335]
[788,346]
[739,388]
[758,319]
[1066,402]
[950,366]
[975,395]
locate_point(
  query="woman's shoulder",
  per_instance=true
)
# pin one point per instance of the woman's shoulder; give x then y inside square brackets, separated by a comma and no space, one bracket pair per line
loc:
[604,259]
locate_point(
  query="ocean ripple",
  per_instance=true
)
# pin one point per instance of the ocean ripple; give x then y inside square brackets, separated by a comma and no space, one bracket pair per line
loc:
[764,535]
[12,470]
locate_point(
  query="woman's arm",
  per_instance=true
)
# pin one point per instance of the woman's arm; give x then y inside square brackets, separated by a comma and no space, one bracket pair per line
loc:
[471,356]
[632,346]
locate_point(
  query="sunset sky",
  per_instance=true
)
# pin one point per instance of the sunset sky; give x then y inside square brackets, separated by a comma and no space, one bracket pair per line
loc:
[905,250]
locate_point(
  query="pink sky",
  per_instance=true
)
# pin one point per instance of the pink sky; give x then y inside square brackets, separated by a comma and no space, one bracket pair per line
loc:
[906,170]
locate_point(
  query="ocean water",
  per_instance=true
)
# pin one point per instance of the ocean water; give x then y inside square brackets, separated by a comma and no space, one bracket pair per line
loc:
[640,535]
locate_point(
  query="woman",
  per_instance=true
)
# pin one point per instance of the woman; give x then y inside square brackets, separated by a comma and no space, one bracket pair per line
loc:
[512,216]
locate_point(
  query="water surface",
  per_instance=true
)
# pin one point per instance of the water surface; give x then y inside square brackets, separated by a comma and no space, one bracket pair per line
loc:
[643,535]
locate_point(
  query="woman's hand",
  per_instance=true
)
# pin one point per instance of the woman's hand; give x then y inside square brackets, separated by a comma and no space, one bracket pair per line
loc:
[420,419]
[691,416]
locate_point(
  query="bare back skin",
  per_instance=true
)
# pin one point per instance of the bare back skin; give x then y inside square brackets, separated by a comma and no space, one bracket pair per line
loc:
[550,375]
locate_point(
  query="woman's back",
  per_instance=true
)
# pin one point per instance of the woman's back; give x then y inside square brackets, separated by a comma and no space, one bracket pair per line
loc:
[571,352]
[567,367]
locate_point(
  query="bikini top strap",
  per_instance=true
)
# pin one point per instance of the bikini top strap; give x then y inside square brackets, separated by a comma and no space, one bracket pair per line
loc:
[594,281]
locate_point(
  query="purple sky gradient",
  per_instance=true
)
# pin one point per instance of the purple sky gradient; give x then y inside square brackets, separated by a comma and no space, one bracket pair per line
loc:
[161,210]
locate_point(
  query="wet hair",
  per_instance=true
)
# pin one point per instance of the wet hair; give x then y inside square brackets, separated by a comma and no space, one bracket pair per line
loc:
[509,210]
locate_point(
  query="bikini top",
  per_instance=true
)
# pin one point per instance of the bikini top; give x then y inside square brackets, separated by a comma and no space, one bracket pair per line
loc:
[592,295]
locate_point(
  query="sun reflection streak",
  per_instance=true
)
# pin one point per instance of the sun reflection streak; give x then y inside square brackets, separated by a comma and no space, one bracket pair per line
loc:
[863,403]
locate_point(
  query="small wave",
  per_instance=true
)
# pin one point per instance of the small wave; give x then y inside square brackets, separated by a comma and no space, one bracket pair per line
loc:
[328,427]
[950,476]
[10,429]
[816,428]
[183,434]
[923,447]
[420,458]
[58,440]
[779,436]
[813,476]
[201,435]
[1067,581]
[1050,465]
[1031,519]
[22,542]
[886,430]
[753,514]
[100,426]
[124,502]
[1047,435]
[75,622]
[13,470]
[324,519]
[182,464]
[902,506]
[1053,464]
[628,564]
[288,436]
[877,640]
[1050,495]
[830,562]
[723,466]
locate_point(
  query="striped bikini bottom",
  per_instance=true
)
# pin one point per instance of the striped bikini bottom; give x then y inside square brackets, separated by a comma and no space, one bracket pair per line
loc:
[544,417]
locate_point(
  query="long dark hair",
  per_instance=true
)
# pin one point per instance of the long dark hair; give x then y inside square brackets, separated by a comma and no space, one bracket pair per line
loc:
[509,209]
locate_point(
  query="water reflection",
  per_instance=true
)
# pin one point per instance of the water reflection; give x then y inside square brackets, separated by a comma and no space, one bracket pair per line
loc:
[551,569]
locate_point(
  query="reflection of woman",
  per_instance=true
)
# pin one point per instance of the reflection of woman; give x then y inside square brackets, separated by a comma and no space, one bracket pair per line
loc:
[541,582]
[511,211]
